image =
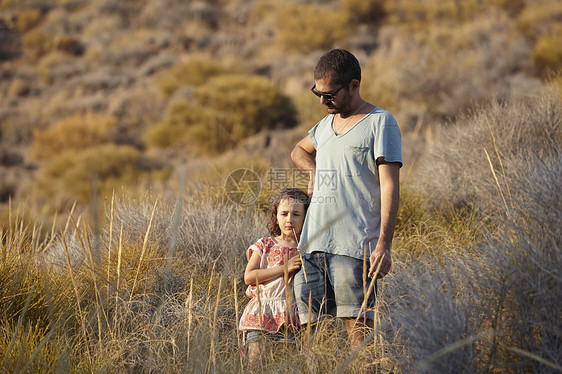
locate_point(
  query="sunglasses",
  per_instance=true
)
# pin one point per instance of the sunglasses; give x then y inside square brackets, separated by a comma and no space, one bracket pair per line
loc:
[327,95]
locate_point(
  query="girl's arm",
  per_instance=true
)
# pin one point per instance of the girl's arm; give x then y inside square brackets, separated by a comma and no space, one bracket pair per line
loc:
[265,275]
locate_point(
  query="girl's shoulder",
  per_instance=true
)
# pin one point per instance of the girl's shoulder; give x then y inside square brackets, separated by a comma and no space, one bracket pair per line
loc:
[266,241]
[261,246]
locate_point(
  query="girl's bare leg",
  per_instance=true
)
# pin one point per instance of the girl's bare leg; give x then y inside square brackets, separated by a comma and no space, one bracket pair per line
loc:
[254,354]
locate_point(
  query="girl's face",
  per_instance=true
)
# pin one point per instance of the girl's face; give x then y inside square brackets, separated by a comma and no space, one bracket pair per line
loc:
[290,216]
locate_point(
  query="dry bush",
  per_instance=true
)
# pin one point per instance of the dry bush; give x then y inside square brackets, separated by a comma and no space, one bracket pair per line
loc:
[489,303]
[37,43]
[57,67]
[457,171]
[135,47]
[203,232]
[73,133]
[428,312]
[28,19]
[103,80]
[529,260]
[367,11]
[69,44]
[134,110]
[304,27]
[415,14]
[168,15]
[194,72]
[429,77]
[448,72]
[80,175]
[18,87]
[175,305]
[539,17]
[492,303]
[547,52]
[512,7]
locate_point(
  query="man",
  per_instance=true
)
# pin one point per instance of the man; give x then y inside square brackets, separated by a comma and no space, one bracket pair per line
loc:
[353,158]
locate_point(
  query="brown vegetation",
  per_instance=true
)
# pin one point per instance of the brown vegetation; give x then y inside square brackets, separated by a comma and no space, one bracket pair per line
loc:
[141,109]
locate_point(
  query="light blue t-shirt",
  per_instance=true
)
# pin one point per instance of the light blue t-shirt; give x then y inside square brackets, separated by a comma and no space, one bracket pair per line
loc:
[344,213]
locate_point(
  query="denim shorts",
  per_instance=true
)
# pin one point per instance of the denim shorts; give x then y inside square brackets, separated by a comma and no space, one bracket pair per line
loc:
[279,337]
[335,286]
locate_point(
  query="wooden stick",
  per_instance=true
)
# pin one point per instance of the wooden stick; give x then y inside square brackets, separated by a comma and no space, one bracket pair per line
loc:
[302,262]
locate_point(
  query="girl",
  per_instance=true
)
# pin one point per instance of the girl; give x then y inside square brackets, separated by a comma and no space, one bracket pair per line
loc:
[271,312]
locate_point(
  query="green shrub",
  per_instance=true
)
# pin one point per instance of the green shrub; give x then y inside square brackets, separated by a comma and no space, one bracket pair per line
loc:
[512,7]
[71,175]
[18,87]
[37,42]
[69,44]
[47,64]
[165,134]
[424,14]
[28,19]
[547,52]
[246,103]
[223,111]
[302,27]
[368,11]
[539,18]
[194,72]
[73,133]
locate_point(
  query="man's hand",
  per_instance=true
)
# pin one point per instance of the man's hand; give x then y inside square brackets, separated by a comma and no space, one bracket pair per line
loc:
[389,175]
[311,185]
[380,257]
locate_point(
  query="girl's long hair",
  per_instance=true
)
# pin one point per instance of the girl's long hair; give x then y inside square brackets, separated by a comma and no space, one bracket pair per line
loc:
[288,193]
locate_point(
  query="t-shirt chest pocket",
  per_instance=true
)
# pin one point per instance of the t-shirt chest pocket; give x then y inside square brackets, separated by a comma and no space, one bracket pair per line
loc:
[353,161]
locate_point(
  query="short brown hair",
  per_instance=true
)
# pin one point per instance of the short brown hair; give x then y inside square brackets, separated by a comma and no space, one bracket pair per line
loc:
[288,193]
[340,64]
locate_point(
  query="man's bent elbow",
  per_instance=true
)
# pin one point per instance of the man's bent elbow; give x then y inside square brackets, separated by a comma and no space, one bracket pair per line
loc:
[295,153]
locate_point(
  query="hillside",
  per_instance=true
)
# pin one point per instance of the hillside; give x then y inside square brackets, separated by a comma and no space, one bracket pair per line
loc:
[121,95]
[121,121]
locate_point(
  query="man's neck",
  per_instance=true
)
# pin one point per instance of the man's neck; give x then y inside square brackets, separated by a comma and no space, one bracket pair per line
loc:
[355,108]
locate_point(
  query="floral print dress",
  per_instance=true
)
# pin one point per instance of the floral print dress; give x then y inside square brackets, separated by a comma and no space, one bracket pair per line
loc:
[273,295]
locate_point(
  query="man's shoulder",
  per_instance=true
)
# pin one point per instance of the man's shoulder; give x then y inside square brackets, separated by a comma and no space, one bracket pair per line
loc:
[379,112]
[379,118]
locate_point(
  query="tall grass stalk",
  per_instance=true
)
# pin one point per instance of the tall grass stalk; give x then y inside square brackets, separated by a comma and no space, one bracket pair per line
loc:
[16,331]
[81,315]
[214,327]
[144,244]
[498,155]
[110,240]
[237,318]
[118,282]
[189,306]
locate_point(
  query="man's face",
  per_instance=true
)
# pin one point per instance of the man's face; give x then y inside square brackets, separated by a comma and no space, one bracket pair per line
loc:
[339,98]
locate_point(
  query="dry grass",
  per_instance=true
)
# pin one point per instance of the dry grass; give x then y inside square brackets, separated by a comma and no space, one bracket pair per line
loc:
[155,285]
[505,135]
[159,288]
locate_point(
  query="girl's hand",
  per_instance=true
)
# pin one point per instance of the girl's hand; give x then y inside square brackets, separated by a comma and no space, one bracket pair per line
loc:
[294,263]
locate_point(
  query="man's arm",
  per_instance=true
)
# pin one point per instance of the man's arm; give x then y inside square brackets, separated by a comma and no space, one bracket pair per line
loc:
[389,177]
[304,157]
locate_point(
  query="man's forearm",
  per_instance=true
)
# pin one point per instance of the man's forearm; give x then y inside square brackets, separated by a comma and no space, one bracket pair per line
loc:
[390,196]
[305,161]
